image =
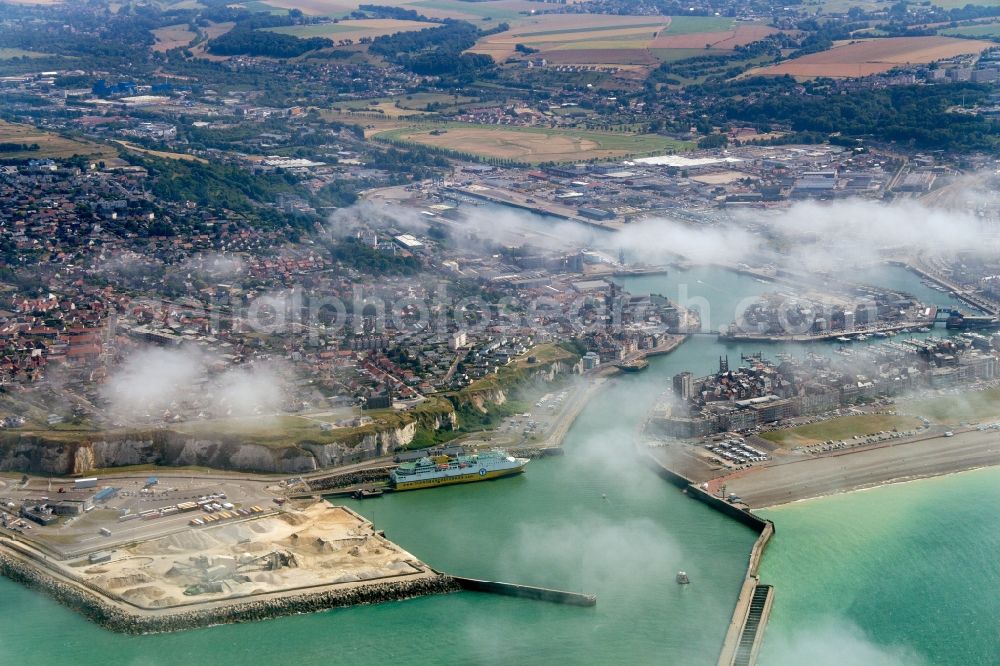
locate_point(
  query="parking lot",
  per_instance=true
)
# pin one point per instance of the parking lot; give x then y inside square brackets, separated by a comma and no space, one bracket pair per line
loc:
[137,511]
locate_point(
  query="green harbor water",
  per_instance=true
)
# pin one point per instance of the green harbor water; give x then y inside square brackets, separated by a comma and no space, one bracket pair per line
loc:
[594,520]
[901,574]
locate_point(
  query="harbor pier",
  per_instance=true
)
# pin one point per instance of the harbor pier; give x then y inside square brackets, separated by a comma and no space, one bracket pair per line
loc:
[525,591]
[753,605]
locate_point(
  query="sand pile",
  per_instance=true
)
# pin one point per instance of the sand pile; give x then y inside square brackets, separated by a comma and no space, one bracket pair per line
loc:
[237,533]
[253,547]
[127,579]
[194,541]
[294,518]
[143,596]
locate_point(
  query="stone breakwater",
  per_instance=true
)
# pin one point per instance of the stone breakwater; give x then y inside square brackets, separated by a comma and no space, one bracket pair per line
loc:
[117,616]
[350,478]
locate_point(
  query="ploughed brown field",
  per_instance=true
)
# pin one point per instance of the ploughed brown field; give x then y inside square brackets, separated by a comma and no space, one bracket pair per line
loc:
[873,56]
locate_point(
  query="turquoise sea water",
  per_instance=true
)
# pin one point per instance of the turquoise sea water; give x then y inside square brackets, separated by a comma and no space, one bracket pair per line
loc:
[552,526]
[901,574]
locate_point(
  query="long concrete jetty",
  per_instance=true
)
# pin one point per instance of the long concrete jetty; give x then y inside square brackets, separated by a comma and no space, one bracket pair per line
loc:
[753,605]
[525,591]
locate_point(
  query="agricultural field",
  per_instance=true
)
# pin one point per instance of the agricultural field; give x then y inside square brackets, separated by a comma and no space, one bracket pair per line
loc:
[354,29]
[172,37]
[50,145]
[554,32]
[596,40]
[842,6]
[957,4]
[488,12]
[496,10]
[722,40]
[310,7]
[532,145]
[845,427]
[210,32]
[184,4]
[980,30]
[873,56]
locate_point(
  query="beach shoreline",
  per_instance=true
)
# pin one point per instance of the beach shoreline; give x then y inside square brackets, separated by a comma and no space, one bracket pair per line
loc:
[853,470]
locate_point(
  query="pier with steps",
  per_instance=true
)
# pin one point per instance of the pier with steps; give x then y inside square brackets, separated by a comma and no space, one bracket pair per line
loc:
[753,627]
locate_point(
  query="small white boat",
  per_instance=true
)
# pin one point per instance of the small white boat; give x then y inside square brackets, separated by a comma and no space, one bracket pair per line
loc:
[682,578]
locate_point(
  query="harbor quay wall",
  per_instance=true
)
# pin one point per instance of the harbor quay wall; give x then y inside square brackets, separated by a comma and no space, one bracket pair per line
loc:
[117,617]
[751,520]
[764,529]
[666,473]
[748,518]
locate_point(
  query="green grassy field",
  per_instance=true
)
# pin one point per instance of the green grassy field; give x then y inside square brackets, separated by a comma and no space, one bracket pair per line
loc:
[481,9]
[421,99]
[313,30]
[568,31]
[973,407]
[49,145]
[7,53]
[841,6]
[258,6]
[686,25]
[953,4]
[533,145]
[277,430]
[844,427]
[986,30]
[351,29]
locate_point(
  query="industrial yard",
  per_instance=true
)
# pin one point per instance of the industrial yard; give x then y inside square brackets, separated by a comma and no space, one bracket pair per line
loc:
[198,561]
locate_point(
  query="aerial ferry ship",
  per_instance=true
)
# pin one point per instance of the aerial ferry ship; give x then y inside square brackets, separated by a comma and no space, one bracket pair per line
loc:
[442,470]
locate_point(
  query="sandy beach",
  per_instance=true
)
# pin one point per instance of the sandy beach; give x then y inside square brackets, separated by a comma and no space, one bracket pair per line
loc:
[852,470]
